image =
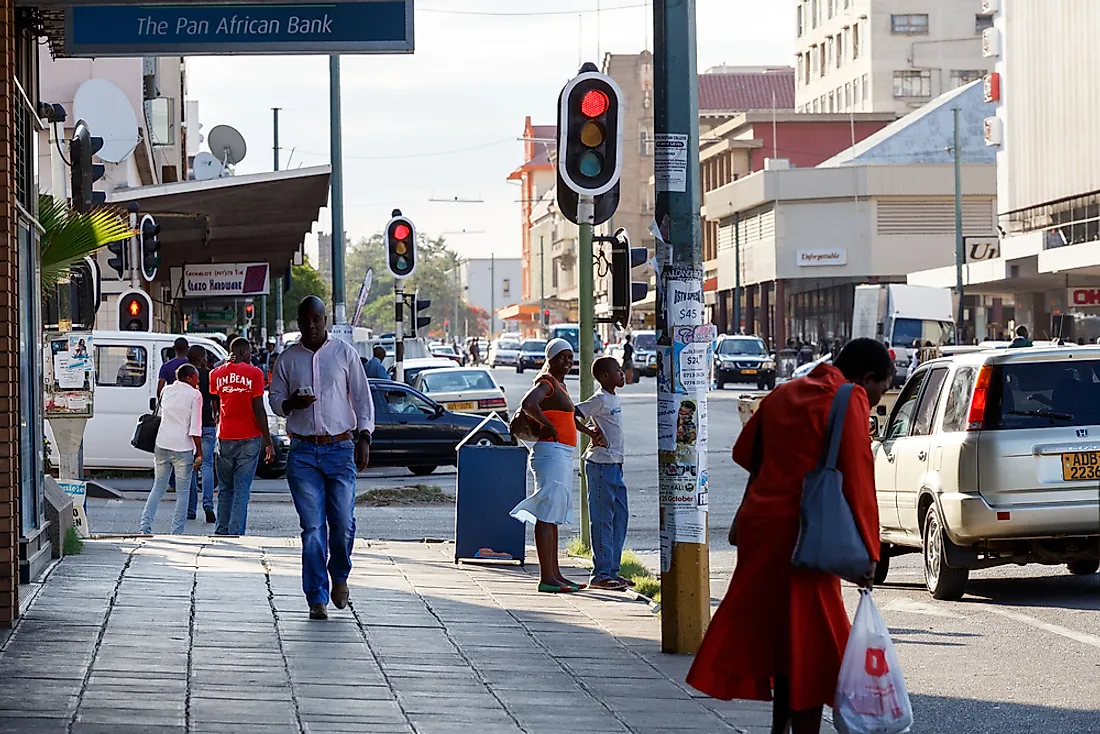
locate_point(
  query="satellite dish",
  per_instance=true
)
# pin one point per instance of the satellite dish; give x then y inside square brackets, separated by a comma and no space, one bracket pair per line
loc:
[109,115]
[227,145]
[206,167]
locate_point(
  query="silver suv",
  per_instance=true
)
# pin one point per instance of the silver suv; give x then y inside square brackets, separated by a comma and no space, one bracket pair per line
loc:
[992,458]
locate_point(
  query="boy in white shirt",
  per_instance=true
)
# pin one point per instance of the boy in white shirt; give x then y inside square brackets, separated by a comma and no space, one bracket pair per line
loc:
[603,467]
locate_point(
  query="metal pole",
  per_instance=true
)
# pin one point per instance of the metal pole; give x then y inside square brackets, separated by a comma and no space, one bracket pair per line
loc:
[492,294]
[542,284]
[275,144]
[398,329]
[681,386]
[339,305]
[737,287]
[278,287]
[960,254]
[454,329]
[586,214]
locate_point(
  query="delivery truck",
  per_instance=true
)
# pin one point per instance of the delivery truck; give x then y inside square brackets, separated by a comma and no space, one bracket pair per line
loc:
[900,316]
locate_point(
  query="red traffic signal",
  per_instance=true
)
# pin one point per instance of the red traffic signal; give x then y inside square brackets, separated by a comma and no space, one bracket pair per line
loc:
[135,311]
[594,103]
[249,311]
[590,131]
[400,245]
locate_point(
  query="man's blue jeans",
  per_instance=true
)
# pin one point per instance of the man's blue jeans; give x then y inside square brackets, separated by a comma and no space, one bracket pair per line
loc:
[236,465]
[322,483]
[607,506]
[164,463]
[209,444]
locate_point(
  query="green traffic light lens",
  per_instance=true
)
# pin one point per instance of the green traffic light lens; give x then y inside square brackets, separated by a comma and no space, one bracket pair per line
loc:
[592,134]
[590,163]
[402,263]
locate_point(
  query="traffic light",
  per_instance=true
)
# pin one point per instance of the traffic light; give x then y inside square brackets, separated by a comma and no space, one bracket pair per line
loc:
[135,311]
[120,257]
[590,132]
[624,291]
[419,304]
[546,317]
[150,247]
[249,311]
[400,245]
[82,172]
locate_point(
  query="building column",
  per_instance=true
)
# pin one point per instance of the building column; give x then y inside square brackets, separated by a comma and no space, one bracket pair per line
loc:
[780,313]
[750,310]
[722,317]
[9,329]
[765,316]
[998,316]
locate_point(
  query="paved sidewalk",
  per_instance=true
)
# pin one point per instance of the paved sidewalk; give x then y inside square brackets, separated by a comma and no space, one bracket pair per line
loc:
[195,635]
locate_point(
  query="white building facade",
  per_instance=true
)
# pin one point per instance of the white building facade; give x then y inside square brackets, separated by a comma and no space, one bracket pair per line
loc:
[875,56]
[491,283]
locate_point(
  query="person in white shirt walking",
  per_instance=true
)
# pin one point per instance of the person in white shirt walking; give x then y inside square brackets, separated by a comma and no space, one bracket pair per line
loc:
[178,447]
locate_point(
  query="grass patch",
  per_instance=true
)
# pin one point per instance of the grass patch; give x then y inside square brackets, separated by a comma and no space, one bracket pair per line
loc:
[645,583]
[413,494]
[577,547]
[72,545]
[648,586]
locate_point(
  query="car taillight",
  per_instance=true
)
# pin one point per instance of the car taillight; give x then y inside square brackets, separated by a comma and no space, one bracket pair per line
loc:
[893,354]
[492,403]
[978,401]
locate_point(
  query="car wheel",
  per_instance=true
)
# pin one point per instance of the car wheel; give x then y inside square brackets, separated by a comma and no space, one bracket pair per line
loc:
[264,472]
[770,385]
[484,439]
[1083,568]
[882,568]
[421,471]
[943,582]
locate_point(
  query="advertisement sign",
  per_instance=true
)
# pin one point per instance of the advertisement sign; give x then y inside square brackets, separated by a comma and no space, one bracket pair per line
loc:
[190,29]
[822,258]
[79,492]
[226,279]
[1083,297]
[69,374]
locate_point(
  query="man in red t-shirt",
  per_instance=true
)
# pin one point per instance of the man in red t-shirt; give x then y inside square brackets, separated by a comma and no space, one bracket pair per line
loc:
[242,431]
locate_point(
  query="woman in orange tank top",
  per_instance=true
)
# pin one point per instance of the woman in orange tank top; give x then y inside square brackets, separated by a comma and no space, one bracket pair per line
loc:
[551,462]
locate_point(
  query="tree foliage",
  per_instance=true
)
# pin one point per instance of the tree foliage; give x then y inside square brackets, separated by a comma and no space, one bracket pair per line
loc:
[435,278]
[304,281]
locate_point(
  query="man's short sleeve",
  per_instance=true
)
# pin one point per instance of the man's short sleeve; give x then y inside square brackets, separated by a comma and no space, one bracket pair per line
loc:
[592,406]
[257,382]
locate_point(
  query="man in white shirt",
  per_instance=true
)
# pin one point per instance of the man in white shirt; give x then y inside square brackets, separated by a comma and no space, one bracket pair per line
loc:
[178,447]
[320,387]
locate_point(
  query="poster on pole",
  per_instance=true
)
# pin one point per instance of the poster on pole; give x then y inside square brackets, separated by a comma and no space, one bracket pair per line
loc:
[69,372]
[670,162]
[79,492]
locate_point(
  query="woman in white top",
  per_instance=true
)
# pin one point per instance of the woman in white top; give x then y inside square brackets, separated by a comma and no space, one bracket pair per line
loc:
[178,447]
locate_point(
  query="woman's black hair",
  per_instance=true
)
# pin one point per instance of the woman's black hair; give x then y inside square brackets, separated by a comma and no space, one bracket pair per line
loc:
[860,357]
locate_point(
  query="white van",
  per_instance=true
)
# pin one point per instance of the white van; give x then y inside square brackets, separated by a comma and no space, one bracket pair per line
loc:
[126,367]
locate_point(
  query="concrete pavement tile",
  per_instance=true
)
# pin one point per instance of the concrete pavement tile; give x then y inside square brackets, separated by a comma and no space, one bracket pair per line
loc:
[506,681]
[81,727]
[149,702]
[224,677]
[213,727]
[343,692]
[222,711]
[658,689]
[439,705]
[641,704]
[115,715]
[359,709]
[350,727]
[12,724]
[242,693]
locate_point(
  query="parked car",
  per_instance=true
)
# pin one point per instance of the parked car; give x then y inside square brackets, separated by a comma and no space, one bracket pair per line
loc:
[991,458]
[571,333]
[280,440]
[743,359]
[414,431]
[464,390]
[503,352]
[532,354]
[447,352]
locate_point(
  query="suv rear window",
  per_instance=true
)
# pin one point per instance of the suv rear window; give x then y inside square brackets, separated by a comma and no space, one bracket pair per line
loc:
[1043,394]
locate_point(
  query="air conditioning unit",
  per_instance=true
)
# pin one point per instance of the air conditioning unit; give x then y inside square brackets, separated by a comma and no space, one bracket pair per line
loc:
[991,43]
[777,164]
[994,131]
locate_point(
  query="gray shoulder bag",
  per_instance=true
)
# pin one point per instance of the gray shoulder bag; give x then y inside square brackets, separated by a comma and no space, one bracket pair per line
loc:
[829,539]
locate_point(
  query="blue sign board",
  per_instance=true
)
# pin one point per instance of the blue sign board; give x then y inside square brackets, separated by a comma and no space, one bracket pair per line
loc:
[303,27]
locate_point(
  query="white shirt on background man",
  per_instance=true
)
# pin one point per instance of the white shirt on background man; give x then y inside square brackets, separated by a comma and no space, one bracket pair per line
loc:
[336,375]
[180,417]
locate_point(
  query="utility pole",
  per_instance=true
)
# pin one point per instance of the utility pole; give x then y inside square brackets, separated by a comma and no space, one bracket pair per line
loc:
[398,329]
[737,287]
[586,214]
[278,287]
[683,343]
[542,284]
[339,301]
[492,294]
[960,249]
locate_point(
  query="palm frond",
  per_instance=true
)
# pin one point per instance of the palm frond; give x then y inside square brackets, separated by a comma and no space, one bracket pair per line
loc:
[70,236]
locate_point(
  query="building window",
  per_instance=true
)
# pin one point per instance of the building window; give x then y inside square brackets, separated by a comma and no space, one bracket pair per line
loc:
[554,275]
[817,108]
[915,24]
[799,73]
[847,95]
[959,77]
[120,366]
[847,3]
[866,89]
[798,16]
[832,8]
[813,13]
[828,52]
[912,84]
[855,41]
[981,22]
[821,59]
[811,62]
[832,102]
[855,92]
[839,49]
[506,287]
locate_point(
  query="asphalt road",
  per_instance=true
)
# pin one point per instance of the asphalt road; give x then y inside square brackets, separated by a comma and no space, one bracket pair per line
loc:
[1020,653]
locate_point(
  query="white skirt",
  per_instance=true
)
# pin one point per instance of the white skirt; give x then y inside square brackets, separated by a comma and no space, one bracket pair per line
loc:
[552,501]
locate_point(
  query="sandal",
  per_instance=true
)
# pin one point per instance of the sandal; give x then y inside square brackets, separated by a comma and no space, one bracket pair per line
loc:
[555,589]
[628,582]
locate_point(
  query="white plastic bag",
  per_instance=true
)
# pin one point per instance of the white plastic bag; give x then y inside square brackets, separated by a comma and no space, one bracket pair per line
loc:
[870,695]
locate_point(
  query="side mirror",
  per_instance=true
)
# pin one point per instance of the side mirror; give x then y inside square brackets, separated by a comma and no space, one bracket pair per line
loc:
[439,410]
[875,426]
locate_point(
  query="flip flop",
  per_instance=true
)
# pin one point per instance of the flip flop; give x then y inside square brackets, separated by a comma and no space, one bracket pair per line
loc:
[555,589]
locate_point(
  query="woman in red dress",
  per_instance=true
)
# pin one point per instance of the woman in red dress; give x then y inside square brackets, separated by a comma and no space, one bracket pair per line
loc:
[780,632]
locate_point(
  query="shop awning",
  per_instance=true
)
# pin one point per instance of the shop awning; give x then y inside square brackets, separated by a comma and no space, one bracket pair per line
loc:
[261,217]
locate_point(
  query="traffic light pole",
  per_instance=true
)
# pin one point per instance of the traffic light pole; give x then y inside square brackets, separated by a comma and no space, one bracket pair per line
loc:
[586,214]
[683,349]
[339,300]
[399,329]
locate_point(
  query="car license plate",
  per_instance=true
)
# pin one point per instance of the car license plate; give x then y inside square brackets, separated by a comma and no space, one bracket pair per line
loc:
[748,372]
[1081,465]
[470,405]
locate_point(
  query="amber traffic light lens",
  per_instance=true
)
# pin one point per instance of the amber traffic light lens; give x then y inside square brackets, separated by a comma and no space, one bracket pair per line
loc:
[594,103]
[401,248]
[401,232]
[592,134]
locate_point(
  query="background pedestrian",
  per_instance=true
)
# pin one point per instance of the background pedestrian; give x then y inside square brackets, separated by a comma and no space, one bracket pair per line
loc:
[196,355]
[178,446]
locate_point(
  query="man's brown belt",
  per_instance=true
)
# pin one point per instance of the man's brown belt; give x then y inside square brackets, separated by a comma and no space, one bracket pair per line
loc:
[324,440]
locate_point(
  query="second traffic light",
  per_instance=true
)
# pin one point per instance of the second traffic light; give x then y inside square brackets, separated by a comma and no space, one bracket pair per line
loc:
[120,257]
[83,173]
[419,304]
[625,291]
[149,250]
[135,311]
[249,312]
[400,245]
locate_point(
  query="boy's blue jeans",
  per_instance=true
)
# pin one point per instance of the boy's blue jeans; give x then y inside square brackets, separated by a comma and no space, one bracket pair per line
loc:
[607,507]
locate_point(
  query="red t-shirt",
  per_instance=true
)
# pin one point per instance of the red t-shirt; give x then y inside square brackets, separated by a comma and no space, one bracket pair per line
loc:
[235,385]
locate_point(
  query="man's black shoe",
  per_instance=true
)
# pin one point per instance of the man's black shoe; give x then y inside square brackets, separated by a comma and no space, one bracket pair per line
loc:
[340,594]
[318,611]
[210,518]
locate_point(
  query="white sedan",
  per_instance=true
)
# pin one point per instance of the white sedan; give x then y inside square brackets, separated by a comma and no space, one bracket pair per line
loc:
[503,352]
[463,390]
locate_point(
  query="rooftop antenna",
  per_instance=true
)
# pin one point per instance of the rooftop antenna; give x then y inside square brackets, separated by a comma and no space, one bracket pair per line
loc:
[109,115]
[227,145]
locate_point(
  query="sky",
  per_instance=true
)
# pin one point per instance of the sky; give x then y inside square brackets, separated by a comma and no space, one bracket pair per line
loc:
[446,121]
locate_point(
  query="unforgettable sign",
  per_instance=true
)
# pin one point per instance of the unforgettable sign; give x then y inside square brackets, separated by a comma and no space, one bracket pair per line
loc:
[226,279]
[303,27]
